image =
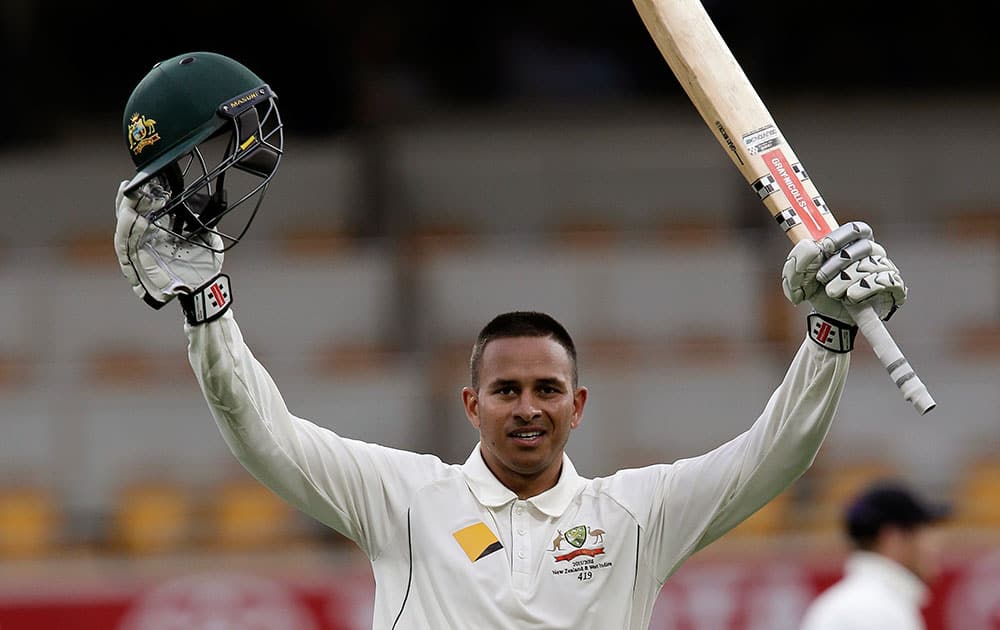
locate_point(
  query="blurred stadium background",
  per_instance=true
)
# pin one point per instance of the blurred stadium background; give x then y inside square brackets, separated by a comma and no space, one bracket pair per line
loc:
[445,163]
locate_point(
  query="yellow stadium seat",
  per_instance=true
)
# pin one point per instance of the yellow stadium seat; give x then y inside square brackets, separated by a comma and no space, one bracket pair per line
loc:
[427,240]
[29,523]
[312,241]
[690,231]
[152,518]
[840,482]
[771,519]
[15,370]
[246,515]
[977,495]
[586,236]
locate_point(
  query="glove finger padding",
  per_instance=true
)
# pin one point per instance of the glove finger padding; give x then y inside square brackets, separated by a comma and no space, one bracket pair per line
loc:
[810,264]
[843,236]
[849,267]
[874,280]
[158,264]
[123,227]
[847,257]
[130,230]
[798,276]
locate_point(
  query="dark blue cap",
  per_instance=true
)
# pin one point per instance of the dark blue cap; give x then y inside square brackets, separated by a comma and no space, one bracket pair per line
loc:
[890,503]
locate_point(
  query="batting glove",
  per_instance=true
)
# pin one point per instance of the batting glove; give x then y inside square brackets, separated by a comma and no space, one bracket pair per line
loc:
[844,267]
[160,266]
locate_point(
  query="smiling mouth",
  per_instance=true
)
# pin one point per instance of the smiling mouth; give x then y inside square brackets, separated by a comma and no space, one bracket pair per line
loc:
[527,436]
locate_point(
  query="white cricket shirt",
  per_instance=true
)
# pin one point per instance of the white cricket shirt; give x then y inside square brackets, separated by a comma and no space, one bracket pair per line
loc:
[452,548]
[876,593]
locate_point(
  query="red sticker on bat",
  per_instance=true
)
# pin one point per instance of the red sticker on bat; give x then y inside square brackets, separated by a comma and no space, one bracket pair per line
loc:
[785,177]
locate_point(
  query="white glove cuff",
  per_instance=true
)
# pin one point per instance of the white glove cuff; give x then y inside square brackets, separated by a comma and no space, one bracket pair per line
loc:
[208,302]
[834,335]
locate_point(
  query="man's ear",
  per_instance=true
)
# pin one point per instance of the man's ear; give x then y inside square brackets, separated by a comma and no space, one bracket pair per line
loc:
[579,400]
[470,400]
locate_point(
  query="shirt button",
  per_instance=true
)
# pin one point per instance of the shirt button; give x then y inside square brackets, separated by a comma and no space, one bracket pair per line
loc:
[518,510]
[520,554]
[520,532]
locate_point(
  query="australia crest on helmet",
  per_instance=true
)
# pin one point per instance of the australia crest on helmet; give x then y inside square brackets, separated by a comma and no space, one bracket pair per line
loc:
[141,133]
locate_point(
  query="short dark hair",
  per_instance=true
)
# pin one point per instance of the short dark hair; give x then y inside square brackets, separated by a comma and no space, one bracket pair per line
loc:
[520,324]
[885,503]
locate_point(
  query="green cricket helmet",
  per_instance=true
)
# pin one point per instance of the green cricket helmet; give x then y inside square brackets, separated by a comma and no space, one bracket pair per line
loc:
[202,129]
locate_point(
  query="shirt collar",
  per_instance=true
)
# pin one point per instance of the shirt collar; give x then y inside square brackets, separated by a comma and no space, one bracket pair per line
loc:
[491,493]
[890,572]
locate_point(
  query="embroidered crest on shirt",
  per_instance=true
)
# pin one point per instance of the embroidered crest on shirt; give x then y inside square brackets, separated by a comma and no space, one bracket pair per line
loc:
[576,538]
[477,541]
[579,547]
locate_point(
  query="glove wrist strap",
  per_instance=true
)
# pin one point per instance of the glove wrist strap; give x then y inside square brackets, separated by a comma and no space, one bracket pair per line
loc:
[834,335]
[152,301]
[208,302]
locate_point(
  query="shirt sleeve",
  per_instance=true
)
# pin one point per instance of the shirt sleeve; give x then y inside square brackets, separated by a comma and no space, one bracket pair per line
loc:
[359,489]
[686,505]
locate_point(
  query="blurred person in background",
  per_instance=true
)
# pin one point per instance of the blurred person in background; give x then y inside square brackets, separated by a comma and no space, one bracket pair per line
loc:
[514,537]
[894,559]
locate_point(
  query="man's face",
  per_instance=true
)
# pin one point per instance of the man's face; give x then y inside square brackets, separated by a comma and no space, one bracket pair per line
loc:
[524,409]
[918,549]
[925,543]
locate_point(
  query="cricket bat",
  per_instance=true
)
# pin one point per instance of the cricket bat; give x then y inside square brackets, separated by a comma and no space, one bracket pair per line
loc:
[736,116]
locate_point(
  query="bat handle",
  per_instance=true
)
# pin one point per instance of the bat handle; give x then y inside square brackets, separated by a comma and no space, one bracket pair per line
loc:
[892,358]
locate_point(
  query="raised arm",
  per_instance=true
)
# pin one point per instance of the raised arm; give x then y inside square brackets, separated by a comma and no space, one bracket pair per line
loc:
[354,487]
[731,482]
[699,499]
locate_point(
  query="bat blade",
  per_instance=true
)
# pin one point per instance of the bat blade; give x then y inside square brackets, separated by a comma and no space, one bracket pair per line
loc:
[719,89]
